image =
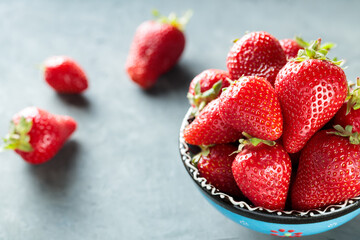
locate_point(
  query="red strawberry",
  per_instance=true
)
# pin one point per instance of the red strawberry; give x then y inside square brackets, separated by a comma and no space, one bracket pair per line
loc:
[349,113]
[207,86]
[251,105]
[208,128]
[37,135]
[329,171]
[214,164]
[156,48]
[311,89]
[262,173]
[65,75]
[256,53]
[352,118]
[291,47]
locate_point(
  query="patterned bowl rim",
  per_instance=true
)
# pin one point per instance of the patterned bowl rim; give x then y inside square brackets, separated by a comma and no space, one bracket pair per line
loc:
[259,213]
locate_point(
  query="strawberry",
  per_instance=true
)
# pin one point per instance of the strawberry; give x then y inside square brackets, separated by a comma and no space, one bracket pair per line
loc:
[155,49]
[349,113]
[208,128]
[256,53]
[329,170]
[65,75]
[37,135]
[262,170]
[207,86]
[352,118]
[251,105]
[311,89]
[214,164]
[291,47]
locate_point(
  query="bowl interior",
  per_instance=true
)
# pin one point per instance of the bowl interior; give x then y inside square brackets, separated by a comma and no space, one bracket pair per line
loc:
[246,208]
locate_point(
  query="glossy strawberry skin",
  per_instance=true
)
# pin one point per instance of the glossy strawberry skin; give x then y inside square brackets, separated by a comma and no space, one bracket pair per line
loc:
[352,118]
[250,105]
[216,168]
[310,93]
[257,53]
[208,78]
[263,175]
[328,173]
[65,75]
[208,128]
[290,47]
[48,134]
[155,49]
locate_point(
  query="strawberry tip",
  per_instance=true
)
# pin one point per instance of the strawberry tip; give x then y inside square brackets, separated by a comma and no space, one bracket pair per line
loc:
[205,151]
[354,137]
[172,19]
[353,97]
[316,50]
[18,138]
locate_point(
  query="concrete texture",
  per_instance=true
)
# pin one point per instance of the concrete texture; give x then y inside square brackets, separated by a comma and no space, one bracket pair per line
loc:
[120,175]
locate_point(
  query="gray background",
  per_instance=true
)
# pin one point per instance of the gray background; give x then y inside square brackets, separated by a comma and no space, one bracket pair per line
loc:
[120,175]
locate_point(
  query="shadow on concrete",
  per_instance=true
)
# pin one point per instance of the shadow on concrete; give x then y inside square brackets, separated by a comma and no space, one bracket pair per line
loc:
[57,174]
[177,79]
[77,100]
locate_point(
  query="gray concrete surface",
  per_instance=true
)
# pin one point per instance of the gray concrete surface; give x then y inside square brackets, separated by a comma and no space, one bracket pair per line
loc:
[120,175]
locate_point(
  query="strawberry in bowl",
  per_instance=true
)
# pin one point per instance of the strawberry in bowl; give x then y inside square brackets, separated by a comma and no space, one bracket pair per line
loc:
[292,172]
[287,222]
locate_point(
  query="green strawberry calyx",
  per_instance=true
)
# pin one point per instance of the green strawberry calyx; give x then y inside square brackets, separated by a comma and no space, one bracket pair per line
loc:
[172,19]
[205,151]
[314,50]
[354,137]
[232,82]
[252,141]
[301,42]
[353,97]
[18,137]
[200,99]
[327,46]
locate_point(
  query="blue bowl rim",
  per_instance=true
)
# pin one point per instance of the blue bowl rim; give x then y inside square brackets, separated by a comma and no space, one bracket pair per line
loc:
[259,213]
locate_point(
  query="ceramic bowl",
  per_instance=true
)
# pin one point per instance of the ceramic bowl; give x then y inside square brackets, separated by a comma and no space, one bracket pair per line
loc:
[277,223]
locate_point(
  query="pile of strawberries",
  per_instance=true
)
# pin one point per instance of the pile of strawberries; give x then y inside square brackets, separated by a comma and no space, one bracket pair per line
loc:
[280,127]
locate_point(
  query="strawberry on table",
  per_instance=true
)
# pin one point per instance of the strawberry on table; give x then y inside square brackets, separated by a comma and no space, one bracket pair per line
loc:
[64,75]
[262,170]
[156,48]
[329,169]
[251,105]
[37,135]
[214,164]
[256,54]
[208,128]
[207,86]
[311,89]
